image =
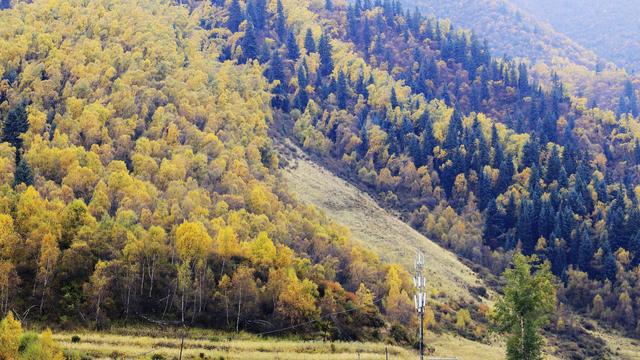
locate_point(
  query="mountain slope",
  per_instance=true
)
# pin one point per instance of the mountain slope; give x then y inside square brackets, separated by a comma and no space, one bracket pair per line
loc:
[510,31]
[405,120]
[394,240]
[138,180]
[609,28]
[378,230]
[513,32]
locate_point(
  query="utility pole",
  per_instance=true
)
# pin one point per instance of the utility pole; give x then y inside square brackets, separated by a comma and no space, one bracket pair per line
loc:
[420,298]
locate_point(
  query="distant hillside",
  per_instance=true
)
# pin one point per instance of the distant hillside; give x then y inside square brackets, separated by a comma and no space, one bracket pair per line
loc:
[513,32]
[509,30]
[609,28]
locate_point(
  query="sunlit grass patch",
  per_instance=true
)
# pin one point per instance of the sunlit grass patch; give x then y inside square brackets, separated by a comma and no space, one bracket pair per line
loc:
[101,345]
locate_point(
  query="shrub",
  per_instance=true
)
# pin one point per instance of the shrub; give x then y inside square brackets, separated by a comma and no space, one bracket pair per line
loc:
[75,355]
[75,339]
[10,335]
[400,335]
[27,340]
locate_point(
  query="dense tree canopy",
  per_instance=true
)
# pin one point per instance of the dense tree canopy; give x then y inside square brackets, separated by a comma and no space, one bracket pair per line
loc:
[139,175]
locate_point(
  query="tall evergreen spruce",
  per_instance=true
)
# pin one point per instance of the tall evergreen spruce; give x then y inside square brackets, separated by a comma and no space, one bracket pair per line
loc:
[281,25]
[326,58]
[293,51]
[23,173]
[302,98]
[15,125]
[328,4]
[341,91]
[309,42]
[235,16]
[250,43]
[276,73]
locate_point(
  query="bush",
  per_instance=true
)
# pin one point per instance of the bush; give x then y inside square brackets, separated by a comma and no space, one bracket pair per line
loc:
[400,335]
[75,339]
[27,340]
[75,355]
[157,357]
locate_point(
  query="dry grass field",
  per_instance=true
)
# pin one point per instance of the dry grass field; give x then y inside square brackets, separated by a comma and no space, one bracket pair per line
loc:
[218,346]
[380,231]
[204,344]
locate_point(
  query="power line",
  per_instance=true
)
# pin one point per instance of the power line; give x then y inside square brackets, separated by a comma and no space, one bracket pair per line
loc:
[164,323]
[317,320]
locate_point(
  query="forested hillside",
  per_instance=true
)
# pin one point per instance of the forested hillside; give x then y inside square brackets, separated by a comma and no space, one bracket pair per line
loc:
[511,30]
[556,179]
[608,28]
[514,32]
[140,181]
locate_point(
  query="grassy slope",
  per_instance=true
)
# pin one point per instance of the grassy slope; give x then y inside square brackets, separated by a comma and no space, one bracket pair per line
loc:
[393,239]
[623,348]
[380,231]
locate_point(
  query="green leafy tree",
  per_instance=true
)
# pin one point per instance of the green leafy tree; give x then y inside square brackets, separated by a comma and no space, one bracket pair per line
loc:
[529,299]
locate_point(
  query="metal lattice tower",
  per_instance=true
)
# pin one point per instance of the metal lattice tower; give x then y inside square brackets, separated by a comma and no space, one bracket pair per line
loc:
[420,298]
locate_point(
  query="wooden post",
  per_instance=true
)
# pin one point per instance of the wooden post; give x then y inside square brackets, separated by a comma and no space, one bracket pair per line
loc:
[386,352]
[182,343]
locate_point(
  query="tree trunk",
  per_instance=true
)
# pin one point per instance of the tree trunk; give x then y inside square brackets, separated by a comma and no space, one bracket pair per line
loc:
[182,306]
[152,274]
[142,278]
[44,288]
[239,307]
[126,311]
[98,309]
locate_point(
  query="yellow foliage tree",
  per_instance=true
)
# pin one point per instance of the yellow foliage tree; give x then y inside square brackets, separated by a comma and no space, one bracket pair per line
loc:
[193,244]
[49,254]
[297,302]
[263,250]
[10,333]
[397,304]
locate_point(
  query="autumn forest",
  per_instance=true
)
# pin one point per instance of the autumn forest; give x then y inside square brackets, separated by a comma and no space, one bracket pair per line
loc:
[141,176]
